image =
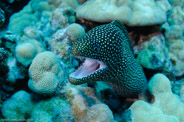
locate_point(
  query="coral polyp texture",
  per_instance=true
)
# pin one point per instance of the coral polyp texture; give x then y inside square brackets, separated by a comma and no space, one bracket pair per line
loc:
[166,107]
[46,73]
[150,112]
[107,50]
[75,31]
[25,52]
[19,106]
[131,12]
[170,104]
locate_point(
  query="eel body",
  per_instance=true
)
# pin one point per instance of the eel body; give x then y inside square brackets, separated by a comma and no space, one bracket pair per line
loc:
[108,54]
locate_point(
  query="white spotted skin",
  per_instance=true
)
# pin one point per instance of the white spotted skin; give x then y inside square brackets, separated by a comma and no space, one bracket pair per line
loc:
[109,44]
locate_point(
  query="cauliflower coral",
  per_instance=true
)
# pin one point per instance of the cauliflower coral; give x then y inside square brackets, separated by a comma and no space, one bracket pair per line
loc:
[46,73]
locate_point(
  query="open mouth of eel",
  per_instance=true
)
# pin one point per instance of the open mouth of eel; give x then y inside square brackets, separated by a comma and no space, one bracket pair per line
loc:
[87,68]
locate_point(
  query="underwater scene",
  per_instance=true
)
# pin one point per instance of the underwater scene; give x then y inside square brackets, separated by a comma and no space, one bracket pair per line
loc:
[91,60]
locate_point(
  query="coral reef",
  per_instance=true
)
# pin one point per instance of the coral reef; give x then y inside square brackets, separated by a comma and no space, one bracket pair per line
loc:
[166,106]
[46,73]
[16,24]
[3,65]
[19,106]
[55,109]
[2,17]
[151,113]
[75,31]
[174,34]
[153,54]
[25,52]
[130,12]
[86,106]
[41,43]
[61,40]
[62,17]
[170,104]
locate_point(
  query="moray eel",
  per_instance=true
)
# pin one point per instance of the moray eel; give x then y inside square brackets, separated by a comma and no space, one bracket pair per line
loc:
[108,54]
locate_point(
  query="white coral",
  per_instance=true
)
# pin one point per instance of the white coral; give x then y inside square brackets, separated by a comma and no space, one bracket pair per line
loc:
[131,12]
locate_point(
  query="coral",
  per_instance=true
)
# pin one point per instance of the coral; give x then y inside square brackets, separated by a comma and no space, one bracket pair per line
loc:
[165,5]
[86,106]
[173,32]
[2,17]
[166,107]
[16,24]
[100,112]
[145,112]
[109,57]
[153,54]
[177,16]
[131,12]
[59,44]
[75,31]
[46,73]
[31,32]
[8,42]
[19,106]
[61,41]
[176,55]
[61,17]
[55,109]
[168,102]
[25,52]
[3,65]
[177,3]
[64,3]
[182,91]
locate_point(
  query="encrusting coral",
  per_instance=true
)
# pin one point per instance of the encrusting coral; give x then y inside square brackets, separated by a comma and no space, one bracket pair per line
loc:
[46,73]
[108,54]
[55,109]
[19,106]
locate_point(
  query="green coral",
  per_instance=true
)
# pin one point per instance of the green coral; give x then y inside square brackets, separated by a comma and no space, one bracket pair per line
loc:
[2,17]
[52,110]
[19,106]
